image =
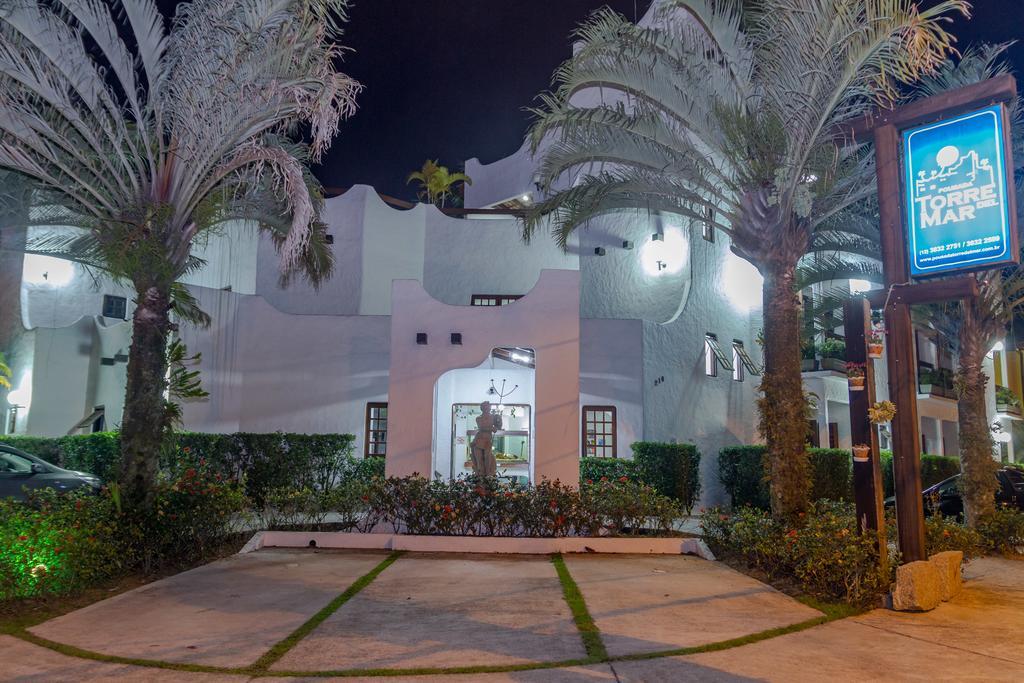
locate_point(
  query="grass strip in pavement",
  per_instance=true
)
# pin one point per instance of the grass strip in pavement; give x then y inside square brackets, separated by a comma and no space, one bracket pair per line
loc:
[281,649]
[589,632]
[830,612]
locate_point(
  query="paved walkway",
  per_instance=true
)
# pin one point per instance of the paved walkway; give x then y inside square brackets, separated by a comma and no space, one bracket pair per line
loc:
[339,611]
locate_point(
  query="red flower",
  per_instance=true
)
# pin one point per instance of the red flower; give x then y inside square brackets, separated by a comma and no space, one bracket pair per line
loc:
[79,504]
[186,449]
[22,538]
[623,479]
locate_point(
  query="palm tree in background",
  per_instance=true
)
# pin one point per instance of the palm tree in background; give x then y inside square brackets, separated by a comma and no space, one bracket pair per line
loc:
[436,182]
[5,373]
[140,141]
[976,325]
[730,112]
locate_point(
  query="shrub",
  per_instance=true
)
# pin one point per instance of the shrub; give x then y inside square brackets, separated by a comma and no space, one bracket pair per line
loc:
[831,474]
[592,469]
[473,506]
[822,553]
[741,469]
[671,469]
[263,461]
[1003,531]
[59,543]
[945,533]
[97,453]
[192,514]
[934,468]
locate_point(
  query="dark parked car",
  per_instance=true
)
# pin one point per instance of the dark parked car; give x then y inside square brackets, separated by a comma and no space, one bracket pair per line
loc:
[945,496]
[20,471]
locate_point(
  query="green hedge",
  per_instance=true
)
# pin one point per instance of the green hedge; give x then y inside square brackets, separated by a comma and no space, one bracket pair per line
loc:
[263,461]
[741,470]
[831,474]
[671,469]
[97,453]
[934,468]
[742,473]
[593,469]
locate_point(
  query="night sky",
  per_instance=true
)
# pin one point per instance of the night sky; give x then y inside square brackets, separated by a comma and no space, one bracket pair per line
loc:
[449,79]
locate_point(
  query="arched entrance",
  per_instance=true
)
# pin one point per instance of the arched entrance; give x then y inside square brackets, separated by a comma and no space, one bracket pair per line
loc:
[506,380]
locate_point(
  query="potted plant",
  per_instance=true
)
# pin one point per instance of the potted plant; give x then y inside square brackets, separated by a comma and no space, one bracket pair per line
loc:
[808,361]
[874,342]
[882,412]
[855,376]
[861,453]
[833,354]
[1006,400]
[925,380]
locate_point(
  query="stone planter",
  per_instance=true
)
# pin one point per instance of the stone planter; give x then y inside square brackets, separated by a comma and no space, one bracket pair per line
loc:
[808,365]
[833,364]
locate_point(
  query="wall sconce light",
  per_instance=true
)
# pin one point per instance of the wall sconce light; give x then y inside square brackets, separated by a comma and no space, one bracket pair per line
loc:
[658,237]
[627,244]
[421,338]
[599,251]
[457,338]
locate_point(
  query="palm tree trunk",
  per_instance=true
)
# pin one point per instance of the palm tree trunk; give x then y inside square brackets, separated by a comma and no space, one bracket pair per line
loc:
[782,405]
[144,422]
[977,466]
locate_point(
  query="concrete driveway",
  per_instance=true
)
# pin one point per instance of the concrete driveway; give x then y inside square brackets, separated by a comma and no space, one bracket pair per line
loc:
[305,614]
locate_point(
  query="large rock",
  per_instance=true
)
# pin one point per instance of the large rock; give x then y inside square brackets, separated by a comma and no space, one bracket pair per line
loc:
[918,587]
[948,565]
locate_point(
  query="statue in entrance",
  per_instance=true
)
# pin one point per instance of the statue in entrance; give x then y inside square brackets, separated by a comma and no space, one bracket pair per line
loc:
[482,447]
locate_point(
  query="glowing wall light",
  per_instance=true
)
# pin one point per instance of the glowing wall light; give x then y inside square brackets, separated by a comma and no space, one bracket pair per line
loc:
[664,256]
[22,396]
[859,286]
[742,284]
[47,271]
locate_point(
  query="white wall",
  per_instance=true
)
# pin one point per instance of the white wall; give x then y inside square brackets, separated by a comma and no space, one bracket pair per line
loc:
[469,256]
[612,373]
[546,320]
[269,371]
[230,253]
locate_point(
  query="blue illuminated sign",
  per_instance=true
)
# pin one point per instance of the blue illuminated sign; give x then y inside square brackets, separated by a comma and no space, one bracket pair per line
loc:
[957,207]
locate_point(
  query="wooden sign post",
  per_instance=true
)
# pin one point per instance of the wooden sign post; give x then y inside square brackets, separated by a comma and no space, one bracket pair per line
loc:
[933,205]
[867,476]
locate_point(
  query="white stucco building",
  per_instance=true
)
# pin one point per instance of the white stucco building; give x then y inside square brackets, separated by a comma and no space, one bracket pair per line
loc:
[645,327]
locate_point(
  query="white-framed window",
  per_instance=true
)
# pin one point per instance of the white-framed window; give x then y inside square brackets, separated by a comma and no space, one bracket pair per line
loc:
[493,299]
[714,356]
[708,225]
[742,363]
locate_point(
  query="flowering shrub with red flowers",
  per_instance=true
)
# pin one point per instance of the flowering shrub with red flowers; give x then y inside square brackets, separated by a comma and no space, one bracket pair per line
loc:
[478,506]
[193,512]
[820,551]
[59,544]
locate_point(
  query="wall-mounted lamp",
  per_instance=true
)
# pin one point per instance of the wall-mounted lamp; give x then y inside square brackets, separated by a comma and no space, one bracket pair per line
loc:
[421,338]
[457,338]
[599,251]
[627,244]
[658,237]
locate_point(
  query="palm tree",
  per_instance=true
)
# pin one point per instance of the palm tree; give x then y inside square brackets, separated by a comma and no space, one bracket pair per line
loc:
[730,111]
[5,373]
[436,182]
[145,139]
[978,324]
